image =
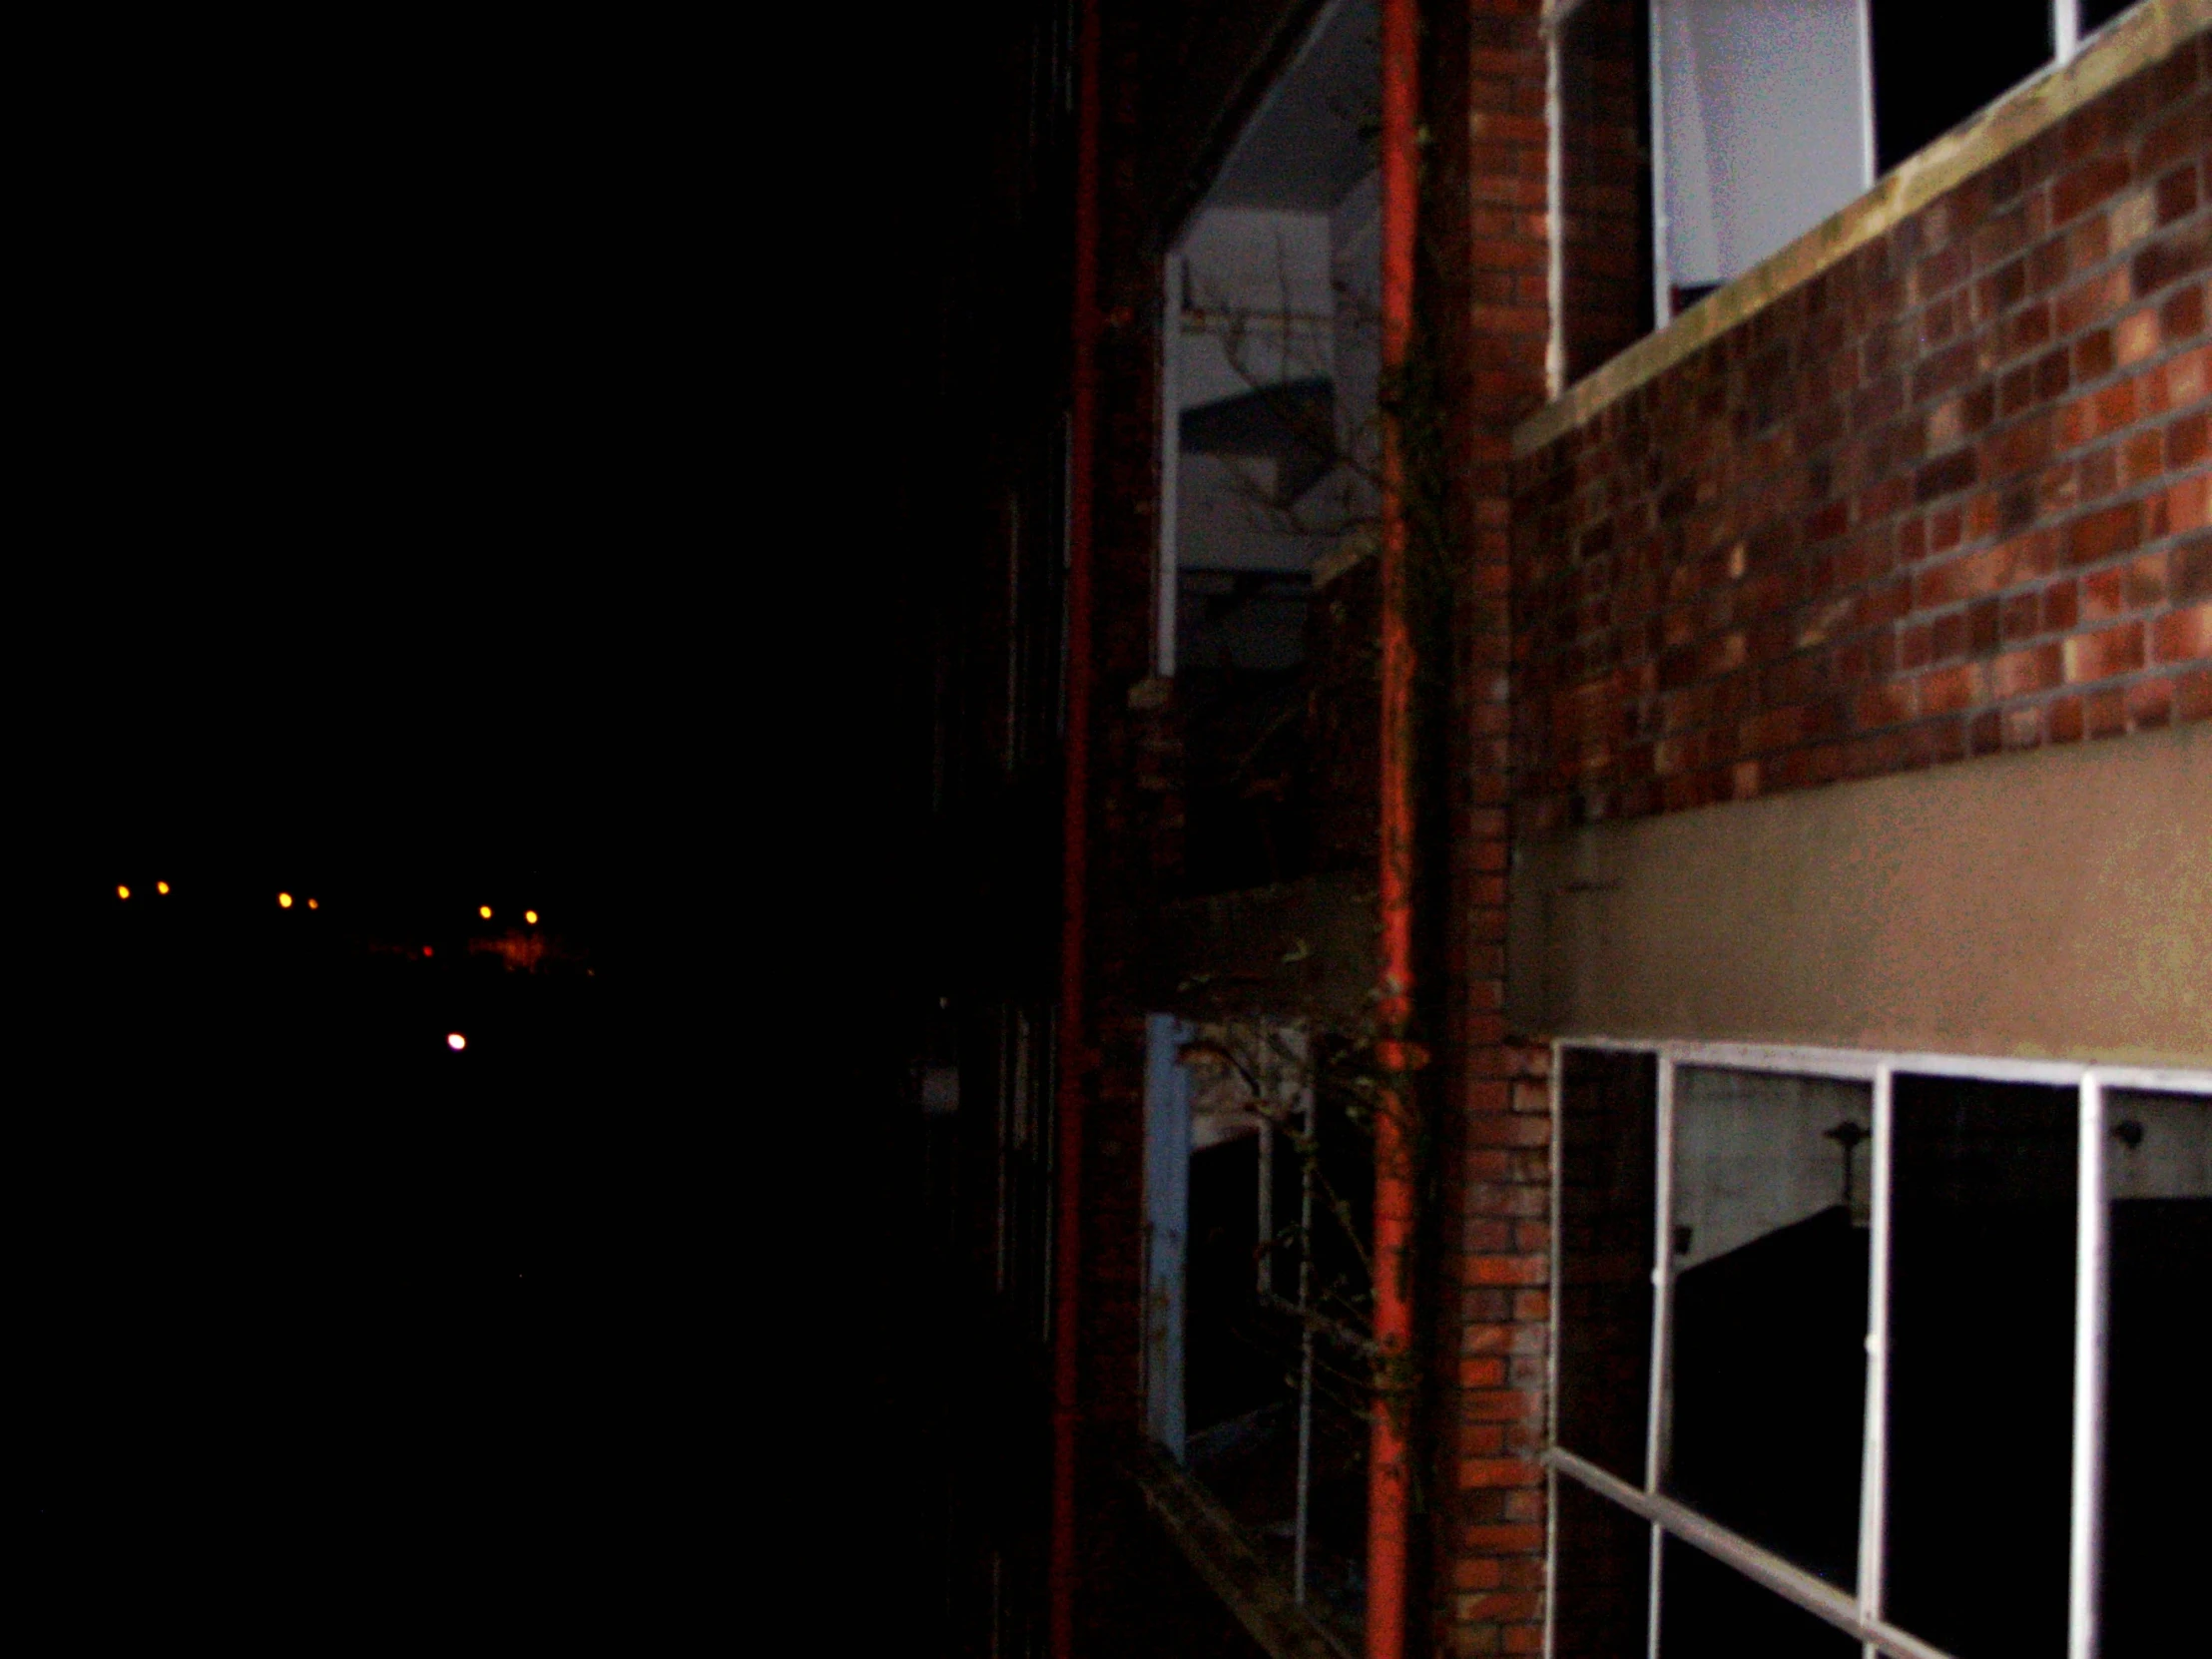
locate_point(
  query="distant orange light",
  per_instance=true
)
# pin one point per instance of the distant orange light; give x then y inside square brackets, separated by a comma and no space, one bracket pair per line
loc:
[456,1041]
[123,892]
[283,901]
[484,911]
[312,905]
[161,886]
[530,916]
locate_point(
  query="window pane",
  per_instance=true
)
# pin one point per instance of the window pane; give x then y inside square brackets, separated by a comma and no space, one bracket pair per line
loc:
[1934,66]
[1609,1104]
[1601,1577]
[1769,1379]
[2157,1454]
[1980,1364]
[1708,1610]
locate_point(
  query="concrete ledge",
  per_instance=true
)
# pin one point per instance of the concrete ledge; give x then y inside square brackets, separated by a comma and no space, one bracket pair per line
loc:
[2132,42]
[1215,1546]
[2055,904]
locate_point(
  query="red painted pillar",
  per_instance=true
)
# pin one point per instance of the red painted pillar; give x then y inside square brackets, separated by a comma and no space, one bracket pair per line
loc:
[1394,1193]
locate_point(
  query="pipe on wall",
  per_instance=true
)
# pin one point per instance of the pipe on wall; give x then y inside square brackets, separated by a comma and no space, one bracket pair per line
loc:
[1073,1044]
[1387,1484]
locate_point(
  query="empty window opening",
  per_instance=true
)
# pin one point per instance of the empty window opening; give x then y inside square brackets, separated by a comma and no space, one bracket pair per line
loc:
[1258,1184]
[1271,364]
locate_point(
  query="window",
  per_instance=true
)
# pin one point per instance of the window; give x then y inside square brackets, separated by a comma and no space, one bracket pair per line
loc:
[1863,1348]
[1269,367]
[1730,127]
[1258,1192]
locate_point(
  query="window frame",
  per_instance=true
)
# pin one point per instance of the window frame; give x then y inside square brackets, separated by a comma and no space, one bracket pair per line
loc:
[1861,1614]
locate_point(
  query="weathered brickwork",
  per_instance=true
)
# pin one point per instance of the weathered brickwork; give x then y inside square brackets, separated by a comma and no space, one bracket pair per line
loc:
[1486,230]
[1947,498]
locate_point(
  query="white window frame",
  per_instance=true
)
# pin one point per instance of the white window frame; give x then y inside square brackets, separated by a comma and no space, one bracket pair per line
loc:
[1859,1615]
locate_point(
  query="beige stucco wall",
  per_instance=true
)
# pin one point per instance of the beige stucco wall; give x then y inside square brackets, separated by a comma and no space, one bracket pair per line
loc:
[2053,903]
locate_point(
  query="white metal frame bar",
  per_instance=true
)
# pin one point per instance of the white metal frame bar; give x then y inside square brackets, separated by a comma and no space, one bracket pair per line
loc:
[1656,1413]
[2092,1237]
[1763,1568]
[1861,1614]
[1874,1479]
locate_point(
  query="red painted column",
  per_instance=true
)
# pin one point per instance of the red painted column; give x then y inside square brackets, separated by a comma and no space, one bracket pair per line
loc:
[1394,1193]
[1074,1034]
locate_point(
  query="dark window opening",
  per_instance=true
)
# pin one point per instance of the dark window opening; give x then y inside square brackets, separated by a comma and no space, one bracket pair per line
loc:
[1936,65]
[2158,1448]
[1981,1305]
[1605,180]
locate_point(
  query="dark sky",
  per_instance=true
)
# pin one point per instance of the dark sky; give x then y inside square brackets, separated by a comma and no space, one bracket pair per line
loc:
[438,477]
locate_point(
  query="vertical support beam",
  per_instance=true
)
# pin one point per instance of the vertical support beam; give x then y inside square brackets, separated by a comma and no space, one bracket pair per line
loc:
[1656,1412]
[1074,1028]
[1171,460]
[1167,1225]
[1873,1478]
[1387,1484]
[2092,1237]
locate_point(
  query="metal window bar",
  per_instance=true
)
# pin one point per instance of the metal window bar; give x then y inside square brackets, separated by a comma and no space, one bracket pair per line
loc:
[1873,1480]
[1662,1297]
[1304,1351]
[2092,1237]
[1763,1568]
[1860,1615]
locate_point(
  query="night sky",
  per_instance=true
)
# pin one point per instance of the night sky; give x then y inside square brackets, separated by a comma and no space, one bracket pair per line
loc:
[440,491]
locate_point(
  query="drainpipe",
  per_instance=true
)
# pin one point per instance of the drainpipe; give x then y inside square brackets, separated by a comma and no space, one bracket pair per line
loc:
[1073,1043]
[1394,1191]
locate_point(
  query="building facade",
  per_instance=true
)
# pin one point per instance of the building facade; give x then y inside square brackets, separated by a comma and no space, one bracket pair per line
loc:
[1573,798]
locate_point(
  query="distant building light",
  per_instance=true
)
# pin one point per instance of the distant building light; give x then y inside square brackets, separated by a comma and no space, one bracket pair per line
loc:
[456,1041]
[161,886]
[426,950]
[123,892]
[484,911]
[312,905]
[530,916]
[283,901]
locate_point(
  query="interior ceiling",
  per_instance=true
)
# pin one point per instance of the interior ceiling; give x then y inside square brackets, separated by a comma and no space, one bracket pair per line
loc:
[1312,138]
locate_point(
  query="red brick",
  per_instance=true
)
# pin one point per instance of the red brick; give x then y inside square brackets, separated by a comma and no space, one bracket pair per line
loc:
[2100,656]
[1499,1471]
[2193,696]
[2183,635]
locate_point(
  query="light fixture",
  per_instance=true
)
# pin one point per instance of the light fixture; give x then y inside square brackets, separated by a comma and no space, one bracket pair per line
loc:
[530,916]
[484,911]
[161,886]
[123,892]
[283,901]
[456,1041]
[312,905]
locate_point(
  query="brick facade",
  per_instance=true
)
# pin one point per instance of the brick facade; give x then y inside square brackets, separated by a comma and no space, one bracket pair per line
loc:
[1947,498]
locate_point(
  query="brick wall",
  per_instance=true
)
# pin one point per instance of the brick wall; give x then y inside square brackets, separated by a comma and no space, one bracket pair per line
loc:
[1485,244]
[1945,500]
[1605,182]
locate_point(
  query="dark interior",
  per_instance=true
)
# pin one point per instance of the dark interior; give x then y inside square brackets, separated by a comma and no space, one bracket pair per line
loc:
[1981,1394]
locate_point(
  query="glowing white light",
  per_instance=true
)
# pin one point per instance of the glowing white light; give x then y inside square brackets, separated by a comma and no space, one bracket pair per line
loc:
[456,1041]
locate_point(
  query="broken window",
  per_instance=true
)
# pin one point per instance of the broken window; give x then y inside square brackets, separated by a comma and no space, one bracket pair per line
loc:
[1258,1187]
[1909,1374]
[1269,365]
